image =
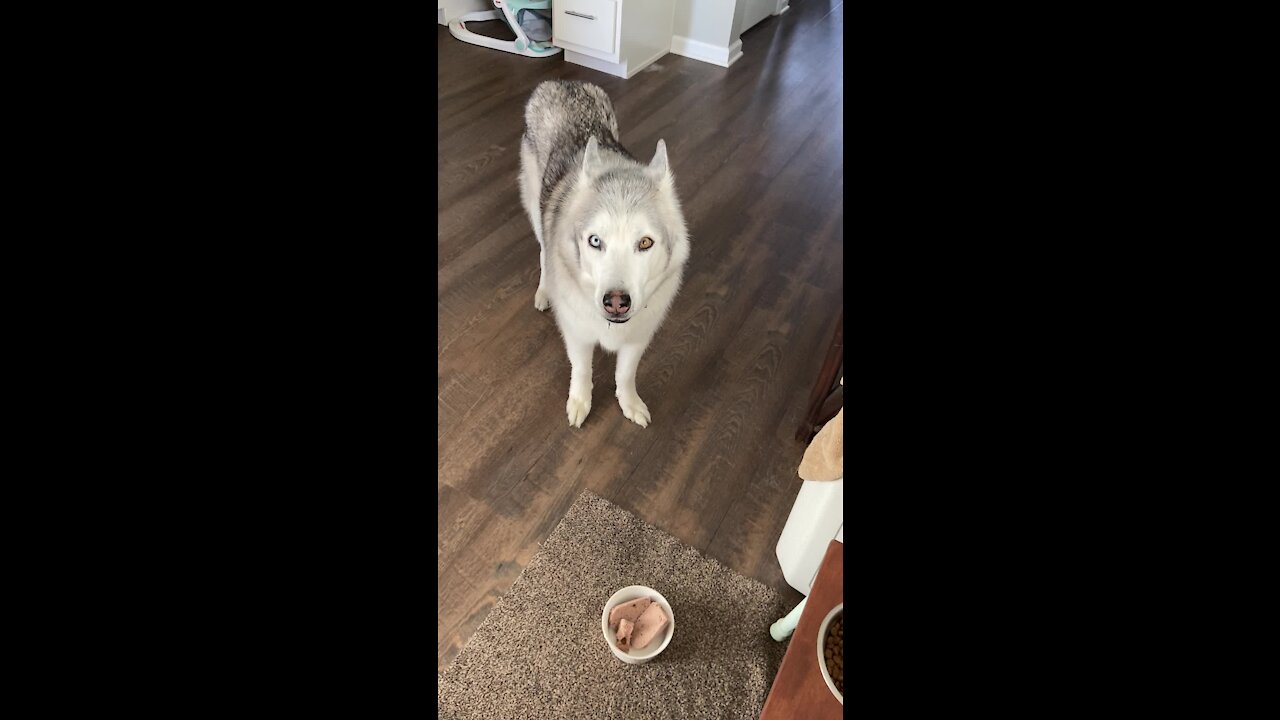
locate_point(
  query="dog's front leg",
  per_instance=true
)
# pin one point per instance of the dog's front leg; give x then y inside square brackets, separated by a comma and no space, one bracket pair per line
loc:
[579,404]
[632,406]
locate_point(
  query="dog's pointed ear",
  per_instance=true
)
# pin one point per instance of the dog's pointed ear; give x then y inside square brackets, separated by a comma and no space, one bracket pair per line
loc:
[591,158]
[659,162]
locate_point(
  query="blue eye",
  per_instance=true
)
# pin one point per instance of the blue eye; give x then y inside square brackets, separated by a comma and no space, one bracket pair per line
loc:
[594,241]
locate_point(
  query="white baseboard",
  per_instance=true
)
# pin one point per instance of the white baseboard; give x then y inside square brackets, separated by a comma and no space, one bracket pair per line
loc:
[440,17]
[624,70]
[633,68]
[706,52]
[604,66]
[735,52]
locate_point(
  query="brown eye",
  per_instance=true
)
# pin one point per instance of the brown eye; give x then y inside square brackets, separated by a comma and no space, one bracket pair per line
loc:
[646,243]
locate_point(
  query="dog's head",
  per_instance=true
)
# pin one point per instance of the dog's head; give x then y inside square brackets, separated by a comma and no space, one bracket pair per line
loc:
[628,229]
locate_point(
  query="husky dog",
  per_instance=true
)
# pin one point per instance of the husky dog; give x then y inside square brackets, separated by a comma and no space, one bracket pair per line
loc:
[613,239]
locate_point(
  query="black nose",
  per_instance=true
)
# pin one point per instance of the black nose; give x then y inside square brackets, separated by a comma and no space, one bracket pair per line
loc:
[616,302]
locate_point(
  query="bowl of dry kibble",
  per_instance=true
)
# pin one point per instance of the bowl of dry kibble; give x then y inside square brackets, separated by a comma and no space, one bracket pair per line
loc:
[831,651]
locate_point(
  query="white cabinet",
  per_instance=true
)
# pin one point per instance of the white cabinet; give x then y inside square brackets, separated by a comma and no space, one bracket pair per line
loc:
[619,37]
[816,517]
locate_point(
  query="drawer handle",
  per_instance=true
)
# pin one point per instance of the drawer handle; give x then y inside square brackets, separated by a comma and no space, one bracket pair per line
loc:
[578,14]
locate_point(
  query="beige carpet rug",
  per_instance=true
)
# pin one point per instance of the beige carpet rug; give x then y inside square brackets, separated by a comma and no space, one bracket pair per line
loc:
[540,653]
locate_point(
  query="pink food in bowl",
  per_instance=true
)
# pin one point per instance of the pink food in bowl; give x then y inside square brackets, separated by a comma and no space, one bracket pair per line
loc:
[648,626]
[631,654]
[638,622]
[628,611]
[625,628]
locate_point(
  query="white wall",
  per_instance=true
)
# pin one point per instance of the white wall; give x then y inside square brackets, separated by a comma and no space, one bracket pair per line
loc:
[454,8]
[739,14]
[706,21]
[709,30]
[704,30]
[749,13]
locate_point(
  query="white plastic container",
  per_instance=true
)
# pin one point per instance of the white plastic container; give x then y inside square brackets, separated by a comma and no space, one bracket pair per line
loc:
[816,518]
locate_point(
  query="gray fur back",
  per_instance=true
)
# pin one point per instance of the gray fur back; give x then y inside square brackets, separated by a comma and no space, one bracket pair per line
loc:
[560,118]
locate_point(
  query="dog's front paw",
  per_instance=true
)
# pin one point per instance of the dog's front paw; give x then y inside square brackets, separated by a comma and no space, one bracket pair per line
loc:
[634,409]
[540,300]
[577,408]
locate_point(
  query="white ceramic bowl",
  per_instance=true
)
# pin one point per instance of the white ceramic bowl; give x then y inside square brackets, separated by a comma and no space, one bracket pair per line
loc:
[627,594]
[822,640]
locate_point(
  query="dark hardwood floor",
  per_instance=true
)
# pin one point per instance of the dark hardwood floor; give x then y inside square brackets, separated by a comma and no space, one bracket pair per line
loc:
[757,152]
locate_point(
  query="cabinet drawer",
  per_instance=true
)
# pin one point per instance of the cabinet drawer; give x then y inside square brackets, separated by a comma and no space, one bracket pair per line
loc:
[589,23]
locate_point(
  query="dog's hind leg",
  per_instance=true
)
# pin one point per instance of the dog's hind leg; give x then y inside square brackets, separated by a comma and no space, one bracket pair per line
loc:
[531,197]
[633,408]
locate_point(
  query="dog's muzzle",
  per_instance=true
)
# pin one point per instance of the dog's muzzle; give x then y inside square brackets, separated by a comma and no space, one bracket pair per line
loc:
[617,306]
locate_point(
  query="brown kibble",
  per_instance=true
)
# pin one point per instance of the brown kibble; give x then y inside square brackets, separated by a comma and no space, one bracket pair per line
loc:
[833,652]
